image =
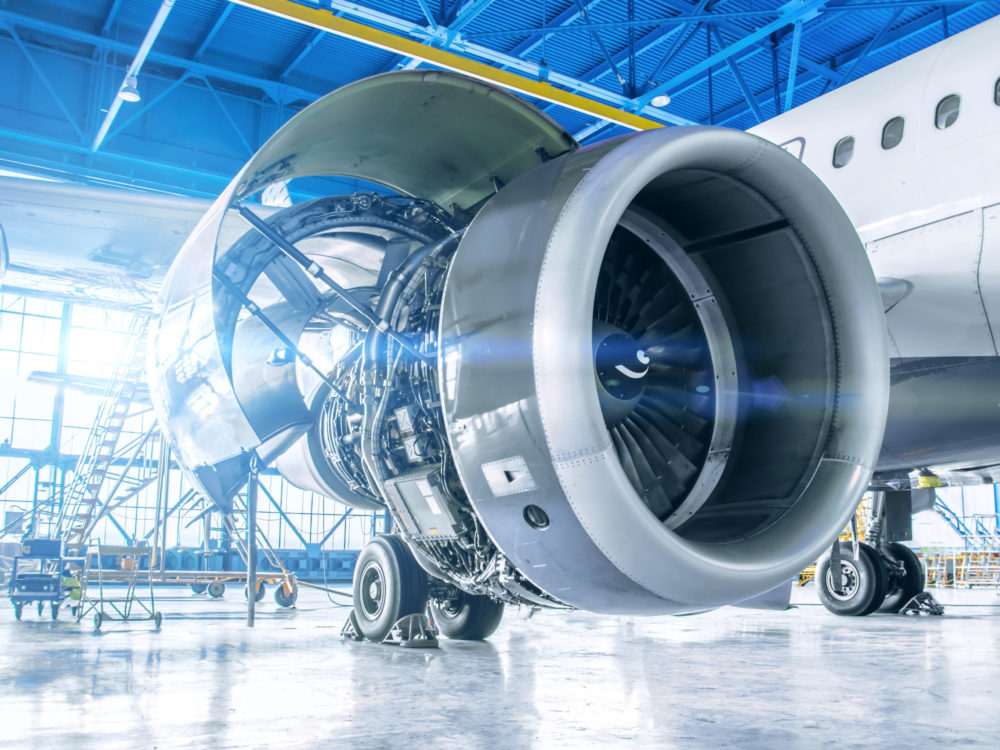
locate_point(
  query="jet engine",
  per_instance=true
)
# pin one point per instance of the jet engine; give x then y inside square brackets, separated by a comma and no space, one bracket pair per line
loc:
[645,376]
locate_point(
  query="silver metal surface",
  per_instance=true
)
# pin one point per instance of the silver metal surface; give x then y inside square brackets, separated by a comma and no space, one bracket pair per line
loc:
[517,370]
[441,137]
[720,343]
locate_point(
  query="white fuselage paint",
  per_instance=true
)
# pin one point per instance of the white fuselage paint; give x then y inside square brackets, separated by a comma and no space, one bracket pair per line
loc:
[927,210]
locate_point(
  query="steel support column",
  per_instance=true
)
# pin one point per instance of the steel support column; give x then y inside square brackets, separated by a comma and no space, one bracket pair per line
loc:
[252,486]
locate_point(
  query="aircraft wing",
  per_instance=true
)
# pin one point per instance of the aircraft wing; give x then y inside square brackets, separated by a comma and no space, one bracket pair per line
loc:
[91,244]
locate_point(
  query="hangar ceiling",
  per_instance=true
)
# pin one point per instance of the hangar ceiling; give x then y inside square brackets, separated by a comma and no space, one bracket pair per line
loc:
[220,77]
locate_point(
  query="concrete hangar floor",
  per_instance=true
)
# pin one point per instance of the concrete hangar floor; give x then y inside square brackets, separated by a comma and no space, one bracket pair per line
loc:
[729,678]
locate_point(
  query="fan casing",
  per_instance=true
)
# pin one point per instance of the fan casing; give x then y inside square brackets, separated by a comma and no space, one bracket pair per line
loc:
[801,419]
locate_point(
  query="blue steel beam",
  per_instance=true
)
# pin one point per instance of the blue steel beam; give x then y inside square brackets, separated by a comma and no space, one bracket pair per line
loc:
[216,27]
[467,13]
[631,24]
[229,118]
[221,179]
[499,59]
[873,43]
[901,34]
[677,35]
[793,64]
[284,516]
[299,55]
[275,90]
[44,79]
[747,92]
[110,19]
[796,10]
[679,41]
[336,526]
[565,18]
[460,17]
[607,55]
[427,13]
[148,105]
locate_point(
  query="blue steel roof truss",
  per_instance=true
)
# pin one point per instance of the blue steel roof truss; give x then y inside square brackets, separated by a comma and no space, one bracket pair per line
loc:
[221,78]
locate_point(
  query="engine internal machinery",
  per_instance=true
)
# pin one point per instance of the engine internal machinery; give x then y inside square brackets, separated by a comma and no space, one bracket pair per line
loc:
[646,376]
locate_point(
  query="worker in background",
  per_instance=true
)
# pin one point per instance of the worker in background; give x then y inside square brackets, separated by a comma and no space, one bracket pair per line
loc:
[71,583]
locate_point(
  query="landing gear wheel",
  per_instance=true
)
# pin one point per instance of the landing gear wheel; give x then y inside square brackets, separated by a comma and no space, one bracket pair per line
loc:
[468,617]
[157,620]
[261,590]
[285,600]
[865,583]
[905,588]
[199,588]
[55,611]
[17,611]
[41,608]
[216,589]
[388,585]
[98,619]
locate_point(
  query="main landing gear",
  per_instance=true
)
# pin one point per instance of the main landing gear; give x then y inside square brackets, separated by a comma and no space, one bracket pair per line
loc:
[858,578]
[392,597]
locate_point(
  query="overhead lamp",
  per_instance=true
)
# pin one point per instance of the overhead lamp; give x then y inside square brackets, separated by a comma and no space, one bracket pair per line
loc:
[662,100]
[129,91]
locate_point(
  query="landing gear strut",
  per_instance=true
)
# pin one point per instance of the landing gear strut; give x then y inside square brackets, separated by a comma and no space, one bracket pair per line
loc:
[859,578]
[389,586]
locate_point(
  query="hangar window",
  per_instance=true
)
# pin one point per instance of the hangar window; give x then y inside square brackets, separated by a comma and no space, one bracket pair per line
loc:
[843,151]
[996,92]
[892,133]
[947,111]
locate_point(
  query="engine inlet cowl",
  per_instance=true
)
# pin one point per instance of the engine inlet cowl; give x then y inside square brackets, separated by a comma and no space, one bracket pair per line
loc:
[671,345]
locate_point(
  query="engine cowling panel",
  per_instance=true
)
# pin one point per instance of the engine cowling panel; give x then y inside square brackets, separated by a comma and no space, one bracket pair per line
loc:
[646,376]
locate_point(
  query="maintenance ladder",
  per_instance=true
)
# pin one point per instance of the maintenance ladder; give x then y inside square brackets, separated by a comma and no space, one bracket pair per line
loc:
[79,510]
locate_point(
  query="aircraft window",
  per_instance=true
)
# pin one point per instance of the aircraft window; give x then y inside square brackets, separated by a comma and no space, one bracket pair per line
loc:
[996,92]
[843,152]
[892,133]
[947,111]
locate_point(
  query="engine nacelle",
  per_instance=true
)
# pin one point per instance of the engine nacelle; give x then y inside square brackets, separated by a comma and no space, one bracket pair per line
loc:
[664,370]
[646,376]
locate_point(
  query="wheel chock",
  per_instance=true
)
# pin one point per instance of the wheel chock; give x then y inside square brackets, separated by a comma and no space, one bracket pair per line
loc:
[922,604]
[412,631]
[350,630]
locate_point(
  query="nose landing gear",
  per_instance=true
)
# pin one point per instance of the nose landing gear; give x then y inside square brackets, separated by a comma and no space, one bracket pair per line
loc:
[857,579]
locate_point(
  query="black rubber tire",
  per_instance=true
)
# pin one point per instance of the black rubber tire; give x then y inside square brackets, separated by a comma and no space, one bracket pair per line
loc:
[55,611]
[285,600]
[261,590]
[18,609]
[216,589]
[41,608]
[199,588]
[866,589]
[157,620]
[912,583]
[469,618]
[98,620]
[394,586]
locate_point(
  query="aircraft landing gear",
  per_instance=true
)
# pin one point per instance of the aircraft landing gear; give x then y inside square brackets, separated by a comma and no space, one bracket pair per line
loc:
[882,575]
[863,581]
[466,617]
[389,586]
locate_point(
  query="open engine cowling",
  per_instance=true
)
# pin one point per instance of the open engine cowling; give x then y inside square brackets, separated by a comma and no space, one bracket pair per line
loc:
[651,378]
[726,468]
